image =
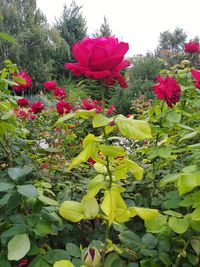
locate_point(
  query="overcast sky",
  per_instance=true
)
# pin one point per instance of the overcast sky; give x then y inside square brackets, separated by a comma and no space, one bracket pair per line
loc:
[137,22]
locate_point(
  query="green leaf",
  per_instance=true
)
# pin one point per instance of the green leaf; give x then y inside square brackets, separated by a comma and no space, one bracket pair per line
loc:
[187,182]
[72,211]
[145,213]
[17,173]
[90,139]
[27,190]
[195,243]
[149,240]
[7,37]
[65,118]
[179,226]
[112,260]
[131,240]
[156,225]
[100,120]
[48,201]
[135,129]
[63,263]
[173,117]
[55,255]
[15,230]
[90,208]
[112,151]
[196,215]
[18,247]
[189,136]
[13,201]
[133,167]
[42,228]
[73,250]
[38,262]
[100,168]
[4,187]
[81,113]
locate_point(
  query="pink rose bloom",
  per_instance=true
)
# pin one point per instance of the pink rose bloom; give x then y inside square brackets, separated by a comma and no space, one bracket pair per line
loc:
[100,59]
[191,47]
[50,85]
[168,89]
[19,87]
[23,102]
[63,107]
[37,107]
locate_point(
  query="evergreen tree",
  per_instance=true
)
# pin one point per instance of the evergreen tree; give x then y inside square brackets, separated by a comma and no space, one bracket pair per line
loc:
[72,24]
[37,43]
[104,29]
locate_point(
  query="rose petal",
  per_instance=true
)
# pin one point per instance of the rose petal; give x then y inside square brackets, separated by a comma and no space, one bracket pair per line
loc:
[80,53]
[97,74]
[107,63]
[121,49]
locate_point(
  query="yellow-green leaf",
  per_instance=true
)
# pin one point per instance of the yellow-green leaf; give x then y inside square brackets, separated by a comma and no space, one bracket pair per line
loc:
[89,139]
[145,213]
[100,120]
[112,151]
[134,168]
[90,151]
[72,211]
[90,208]
[63,263]
[135,129]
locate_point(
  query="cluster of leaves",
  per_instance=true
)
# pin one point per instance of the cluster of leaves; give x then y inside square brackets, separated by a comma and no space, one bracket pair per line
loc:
[137,207]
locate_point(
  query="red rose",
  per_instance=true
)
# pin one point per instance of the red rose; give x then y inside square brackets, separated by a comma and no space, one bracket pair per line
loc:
[100,59]
[89,104]
[111,109]
[44,166]
[168,89]
[37,107]
[63,107]
[32,117]
[191,47]
[59,93]
[196,75]
[50,85]
[23,102]
[22,86]
[21,114]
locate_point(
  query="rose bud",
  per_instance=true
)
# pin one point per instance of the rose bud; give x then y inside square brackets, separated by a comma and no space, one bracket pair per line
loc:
[92,257]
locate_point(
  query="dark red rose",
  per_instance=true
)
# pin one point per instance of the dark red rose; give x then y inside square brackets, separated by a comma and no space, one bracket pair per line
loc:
[63,107]
[37,107]
[32,117]
[168,89]
[89,104]
[50,85]
[191,47]
[21,114]
[19,87]
[100,59]
[23,102]
[111,109]
[59,93]
[196,75]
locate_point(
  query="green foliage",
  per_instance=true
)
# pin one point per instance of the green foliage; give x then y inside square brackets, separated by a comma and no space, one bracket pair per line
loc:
[141,77]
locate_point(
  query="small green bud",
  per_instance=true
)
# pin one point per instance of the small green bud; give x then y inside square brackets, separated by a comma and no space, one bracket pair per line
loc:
[92,257]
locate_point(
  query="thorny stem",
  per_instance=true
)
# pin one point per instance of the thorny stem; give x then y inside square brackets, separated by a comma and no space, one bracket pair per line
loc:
[102,88]
[105,136]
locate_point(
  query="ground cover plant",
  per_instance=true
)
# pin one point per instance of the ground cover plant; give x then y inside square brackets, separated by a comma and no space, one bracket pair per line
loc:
[84,186]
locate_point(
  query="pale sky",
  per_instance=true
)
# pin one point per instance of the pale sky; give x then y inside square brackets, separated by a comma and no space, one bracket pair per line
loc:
[137,22]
